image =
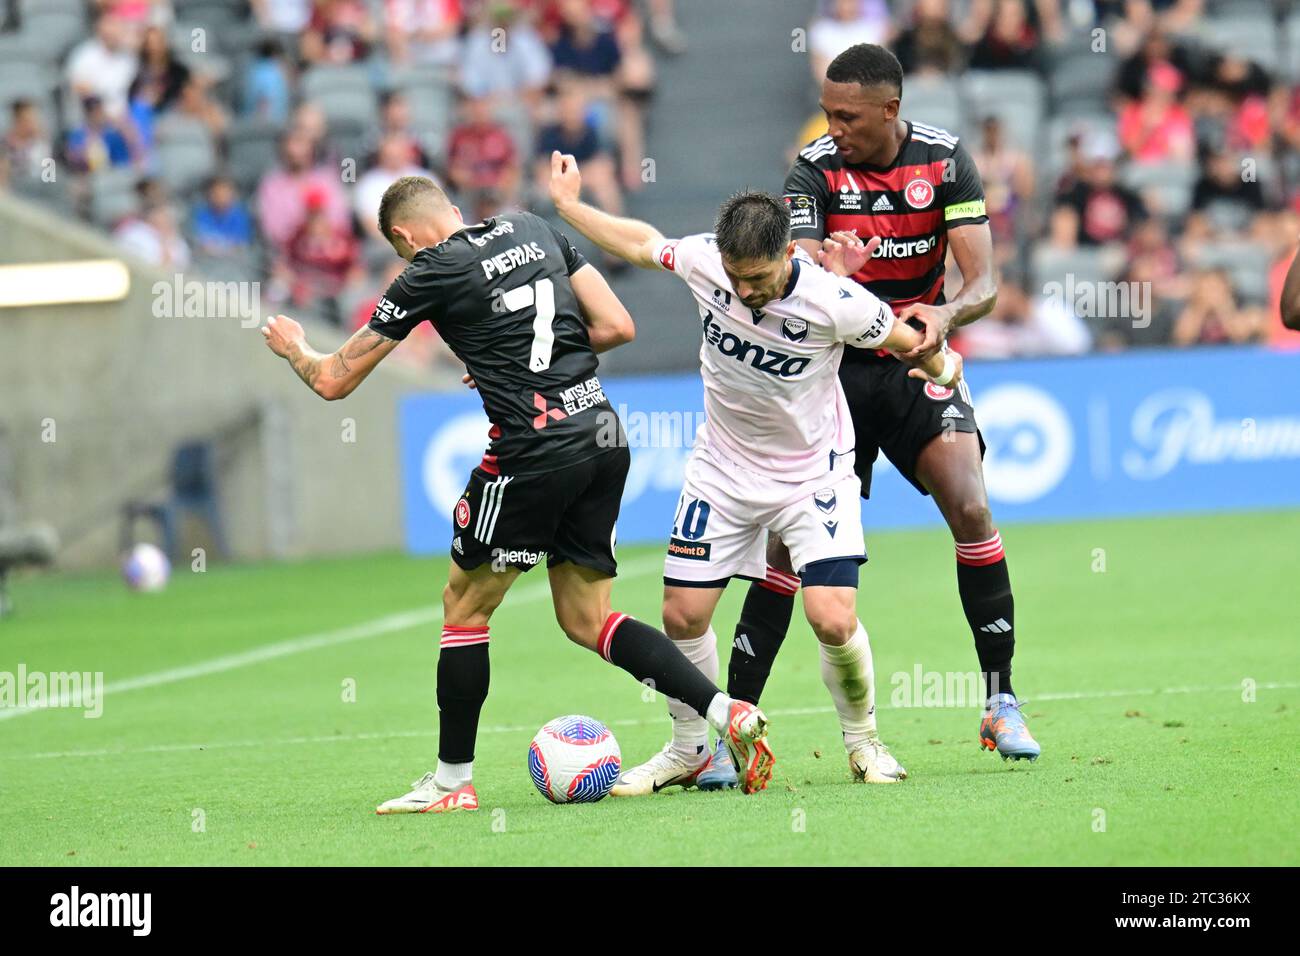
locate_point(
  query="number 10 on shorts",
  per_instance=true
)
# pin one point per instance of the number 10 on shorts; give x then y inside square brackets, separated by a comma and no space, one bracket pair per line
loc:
[691,519]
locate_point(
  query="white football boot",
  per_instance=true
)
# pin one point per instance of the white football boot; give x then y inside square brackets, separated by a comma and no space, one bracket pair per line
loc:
[667,768]
[871,762]
[427,797]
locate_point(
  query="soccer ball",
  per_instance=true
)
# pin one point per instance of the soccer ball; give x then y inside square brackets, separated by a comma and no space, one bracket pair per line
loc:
[146,568]
[574,759]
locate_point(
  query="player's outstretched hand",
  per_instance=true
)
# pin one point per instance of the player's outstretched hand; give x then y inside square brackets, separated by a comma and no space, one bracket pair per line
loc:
[958,367]
[468,379]
[281,333]
[935,321]
[845,254]
[566,181]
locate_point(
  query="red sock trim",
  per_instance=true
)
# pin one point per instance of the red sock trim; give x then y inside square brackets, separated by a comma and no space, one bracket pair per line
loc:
[780,581]
[607,632]
[454,635]
[980,553]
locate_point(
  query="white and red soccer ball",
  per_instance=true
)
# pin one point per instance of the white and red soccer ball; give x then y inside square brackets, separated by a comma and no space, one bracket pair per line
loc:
[146,568]
[574,759]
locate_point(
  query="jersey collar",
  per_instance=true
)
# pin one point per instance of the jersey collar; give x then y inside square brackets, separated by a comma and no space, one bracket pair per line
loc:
[794,277]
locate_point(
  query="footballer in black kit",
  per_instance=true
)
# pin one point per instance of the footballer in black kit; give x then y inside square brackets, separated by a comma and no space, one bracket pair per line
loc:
[902,194]
[930,187]
[519,306]
[552,476]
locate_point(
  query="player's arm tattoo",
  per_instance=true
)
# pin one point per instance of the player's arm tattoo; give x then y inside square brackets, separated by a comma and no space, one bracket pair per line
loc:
[306,363]
[335,375]
[364,342]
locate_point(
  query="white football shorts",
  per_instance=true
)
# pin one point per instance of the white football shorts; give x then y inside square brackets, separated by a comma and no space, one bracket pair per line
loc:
[725,511]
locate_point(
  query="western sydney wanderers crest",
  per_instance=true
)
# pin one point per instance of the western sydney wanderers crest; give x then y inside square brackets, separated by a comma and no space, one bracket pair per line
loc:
[825,500]
[939,393]
[796,330]
[668,257]
[919,193]
[462,513]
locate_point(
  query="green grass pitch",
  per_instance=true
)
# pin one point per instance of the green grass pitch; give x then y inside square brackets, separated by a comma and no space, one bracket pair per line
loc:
[229,738]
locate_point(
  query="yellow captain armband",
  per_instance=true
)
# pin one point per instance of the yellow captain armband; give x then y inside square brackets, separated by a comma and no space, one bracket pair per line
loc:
[964,210]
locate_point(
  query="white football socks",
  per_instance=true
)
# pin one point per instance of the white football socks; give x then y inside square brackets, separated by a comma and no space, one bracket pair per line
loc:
[848,675]
[453,776]
[691,730]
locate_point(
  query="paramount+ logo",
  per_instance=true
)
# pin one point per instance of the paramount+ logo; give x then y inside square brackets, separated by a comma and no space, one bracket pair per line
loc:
[772,361]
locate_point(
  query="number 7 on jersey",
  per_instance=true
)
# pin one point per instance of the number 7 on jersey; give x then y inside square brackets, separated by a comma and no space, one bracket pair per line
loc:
[541,296]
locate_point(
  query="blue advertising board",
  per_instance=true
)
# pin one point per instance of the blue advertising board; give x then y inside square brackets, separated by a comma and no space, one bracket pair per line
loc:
[1092,436]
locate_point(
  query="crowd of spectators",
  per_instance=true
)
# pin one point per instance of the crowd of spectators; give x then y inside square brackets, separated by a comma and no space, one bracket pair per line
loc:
[253,139]
[1143,150]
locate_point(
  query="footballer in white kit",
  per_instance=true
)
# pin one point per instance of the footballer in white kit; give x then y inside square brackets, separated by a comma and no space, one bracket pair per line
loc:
[776,451]
[775,454]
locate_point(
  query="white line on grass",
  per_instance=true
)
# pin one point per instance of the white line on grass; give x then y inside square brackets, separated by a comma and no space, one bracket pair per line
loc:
[625,722]
[389,624]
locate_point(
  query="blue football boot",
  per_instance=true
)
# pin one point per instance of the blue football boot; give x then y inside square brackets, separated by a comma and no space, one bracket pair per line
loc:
[1003,729]
[719,773]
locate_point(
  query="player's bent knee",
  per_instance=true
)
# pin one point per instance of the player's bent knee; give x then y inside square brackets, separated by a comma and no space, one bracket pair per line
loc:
[830,599]
[581,628]
[972,520]
[832,622]
[683,623]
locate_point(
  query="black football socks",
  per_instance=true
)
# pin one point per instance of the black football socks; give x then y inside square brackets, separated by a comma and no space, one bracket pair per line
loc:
[985,588]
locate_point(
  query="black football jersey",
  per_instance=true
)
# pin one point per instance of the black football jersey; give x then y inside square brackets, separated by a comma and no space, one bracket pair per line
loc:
[931,186]
[499,295]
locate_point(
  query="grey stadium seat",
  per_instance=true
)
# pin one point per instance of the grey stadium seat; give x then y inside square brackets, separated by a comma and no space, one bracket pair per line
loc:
[1086,264]
[935,101]
[1081,83]
[1016,97]
[186,152]
[1245,33]
[323,81]
[1167,187]
[254,149]
[113,196]
[1246,262]
[52,31]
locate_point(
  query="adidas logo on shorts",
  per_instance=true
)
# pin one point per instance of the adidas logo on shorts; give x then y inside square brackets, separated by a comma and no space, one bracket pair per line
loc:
[952,411]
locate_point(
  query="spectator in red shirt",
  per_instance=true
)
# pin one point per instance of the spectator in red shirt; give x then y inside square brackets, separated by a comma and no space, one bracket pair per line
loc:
[339,31]
[323,258]
[1156,128]
[482,164]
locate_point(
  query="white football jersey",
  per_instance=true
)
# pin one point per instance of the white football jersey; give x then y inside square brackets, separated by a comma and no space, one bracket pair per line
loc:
[772,395]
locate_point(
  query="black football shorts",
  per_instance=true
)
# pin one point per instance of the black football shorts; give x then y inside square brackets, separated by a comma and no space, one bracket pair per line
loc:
[562,515]
[900,415]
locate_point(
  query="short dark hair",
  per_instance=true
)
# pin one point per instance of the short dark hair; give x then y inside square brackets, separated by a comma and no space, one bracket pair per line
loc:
[867,64]
[752,225]
[403,194]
